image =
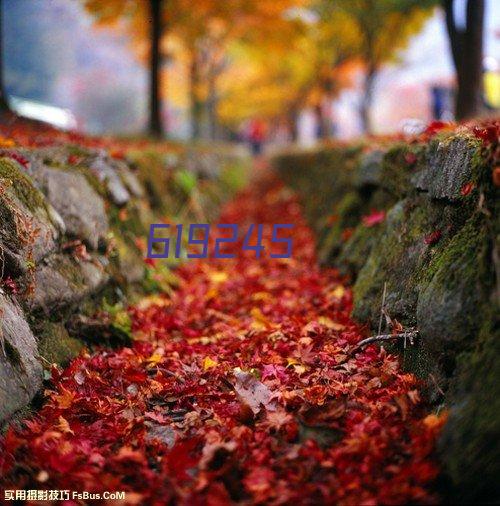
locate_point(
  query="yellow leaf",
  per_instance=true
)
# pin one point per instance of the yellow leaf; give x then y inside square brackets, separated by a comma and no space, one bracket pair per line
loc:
[218,277]
[433,421]
[208,363]
[300,369]
[260,321]
[338,293]
[64,400]
[153,300]
[330,324]
[6,143]
[63,425]
[154,359]
[261,296]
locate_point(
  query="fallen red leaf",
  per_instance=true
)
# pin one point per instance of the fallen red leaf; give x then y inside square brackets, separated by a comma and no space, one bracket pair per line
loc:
[374,218]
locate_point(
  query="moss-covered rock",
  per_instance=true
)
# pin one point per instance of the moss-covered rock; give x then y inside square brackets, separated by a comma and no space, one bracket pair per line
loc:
[399,165]
[395,260]
[369,170]
[450,165]
[321,177]
[345,215]
[20,369]
[55,345]
[80,207]
[470,444]
[29,227]
[62,281]
[355,250]
[454,291]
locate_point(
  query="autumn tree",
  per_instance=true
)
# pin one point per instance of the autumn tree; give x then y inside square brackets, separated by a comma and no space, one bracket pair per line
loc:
[296,66]
[382,27]
[466,43]
[210,32]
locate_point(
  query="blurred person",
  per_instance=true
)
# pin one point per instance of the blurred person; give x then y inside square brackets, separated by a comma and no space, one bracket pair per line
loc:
[256,135]
[442,103]
[437,102]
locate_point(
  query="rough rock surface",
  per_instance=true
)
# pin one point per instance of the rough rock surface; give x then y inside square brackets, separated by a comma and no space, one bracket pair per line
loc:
[450,165]
[62,281]
[20,369]
[105,169]
[80,207]
[370,169]
[30,226]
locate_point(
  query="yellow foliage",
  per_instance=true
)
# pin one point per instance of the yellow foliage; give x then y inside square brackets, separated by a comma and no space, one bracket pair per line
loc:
[262,58]
[208,363]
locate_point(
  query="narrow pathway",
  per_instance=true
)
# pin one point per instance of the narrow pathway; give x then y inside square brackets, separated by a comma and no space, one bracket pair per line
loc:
[242,386]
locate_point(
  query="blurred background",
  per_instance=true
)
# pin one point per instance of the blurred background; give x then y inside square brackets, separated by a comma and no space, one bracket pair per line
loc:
[250,70]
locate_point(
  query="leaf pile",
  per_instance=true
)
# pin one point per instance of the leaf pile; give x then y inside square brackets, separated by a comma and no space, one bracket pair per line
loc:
[240,387]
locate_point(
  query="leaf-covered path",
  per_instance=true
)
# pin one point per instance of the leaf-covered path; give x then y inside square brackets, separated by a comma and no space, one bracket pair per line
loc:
[243,386]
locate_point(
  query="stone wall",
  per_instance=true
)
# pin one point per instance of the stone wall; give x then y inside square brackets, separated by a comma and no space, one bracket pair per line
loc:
[420,218]
[73,232]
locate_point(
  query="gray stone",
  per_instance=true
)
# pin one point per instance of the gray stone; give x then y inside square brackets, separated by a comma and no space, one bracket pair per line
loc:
[20,370]
[130,179]
[369,169]
[105,170]
[449,167]
[62,281]
[77,204]
[80,207]
[30,227]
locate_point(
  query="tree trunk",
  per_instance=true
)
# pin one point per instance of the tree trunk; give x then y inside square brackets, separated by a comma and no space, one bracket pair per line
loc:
[155,102]
[4,105]
[293,122]
[366,100]
[467,51]
[212,106]
[195,105]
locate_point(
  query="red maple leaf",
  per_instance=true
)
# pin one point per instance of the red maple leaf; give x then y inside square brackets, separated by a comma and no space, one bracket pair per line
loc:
[467,188]
[374,218]
[433,237]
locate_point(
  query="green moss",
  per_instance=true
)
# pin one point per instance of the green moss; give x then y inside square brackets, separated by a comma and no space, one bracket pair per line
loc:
[356,250]
[470,443]
[399,256]
[396,171]
[390,263]
[454,294]
[22,186]
[154,176]
[346,214]
[462,250]
[131,220]
[71,271]
[321,179]
[55,345]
